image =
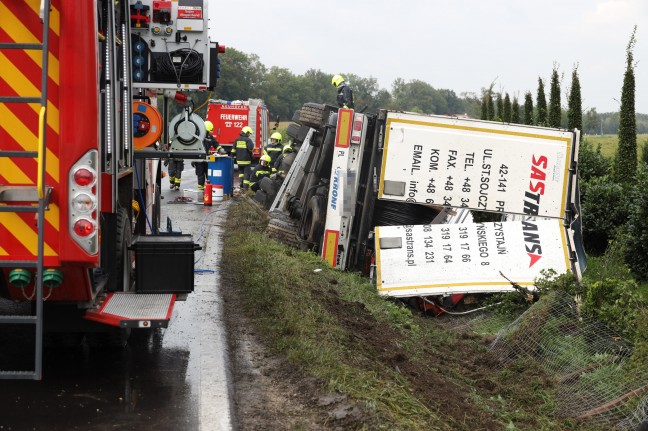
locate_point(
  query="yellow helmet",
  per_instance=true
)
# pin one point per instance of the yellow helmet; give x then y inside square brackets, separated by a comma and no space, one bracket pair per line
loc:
[337,80]
[277,136]
[209,126]
[247,130]
[266,158]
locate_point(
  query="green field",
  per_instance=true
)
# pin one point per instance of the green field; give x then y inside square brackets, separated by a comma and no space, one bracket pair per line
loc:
[609,143]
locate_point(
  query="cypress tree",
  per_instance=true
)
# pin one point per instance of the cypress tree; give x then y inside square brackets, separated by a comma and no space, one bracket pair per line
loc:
[626,156]
[484,108]
[541,102]
[500,108]
[515,114]
[528,108]
[491,107]
[554,100]
[575,108]
[507,109]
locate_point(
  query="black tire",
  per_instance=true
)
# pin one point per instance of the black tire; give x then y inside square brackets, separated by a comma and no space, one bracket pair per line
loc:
[313,115]
[296,116]
[120,279]
[293,131]
[284,231]
[311,227]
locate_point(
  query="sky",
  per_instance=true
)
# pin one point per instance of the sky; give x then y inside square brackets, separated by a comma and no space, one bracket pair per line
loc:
[461,45]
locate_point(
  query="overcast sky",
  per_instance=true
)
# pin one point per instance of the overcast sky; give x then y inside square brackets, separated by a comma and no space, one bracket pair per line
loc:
[462,45]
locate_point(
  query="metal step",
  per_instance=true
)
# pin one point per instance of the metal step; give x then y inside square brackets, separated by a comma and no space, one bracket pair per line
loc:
[19,154]
[134,310]
[15,99]
[11,194]
[18,263]
[19,375]
[33,46]
[30,320]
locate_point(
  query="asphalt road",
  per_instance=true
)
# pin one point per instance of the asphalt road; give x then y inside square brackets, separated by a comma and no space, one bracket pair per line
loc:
[166,379]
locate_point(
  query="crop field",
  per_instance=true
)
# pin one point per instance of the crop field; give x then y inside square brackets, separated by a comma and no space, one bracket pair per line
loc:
[609,143]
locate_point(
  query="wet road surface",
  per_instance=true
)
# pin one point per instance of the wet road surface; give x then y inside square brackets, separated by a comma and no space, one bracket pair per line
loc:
[165,379]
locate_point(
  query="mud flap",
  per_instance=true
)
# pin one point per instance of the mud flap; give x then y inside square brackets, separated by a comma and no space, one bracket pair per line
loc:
[134,310]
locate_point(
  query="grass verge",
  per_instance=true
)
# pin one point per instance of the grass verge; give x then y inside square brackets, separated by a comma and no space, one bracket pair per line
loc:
[406,372]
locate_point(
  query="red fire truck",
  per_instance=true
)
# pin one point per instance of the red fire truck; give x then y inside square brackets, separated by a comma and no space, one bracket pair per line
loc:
[79,196]
[229,117]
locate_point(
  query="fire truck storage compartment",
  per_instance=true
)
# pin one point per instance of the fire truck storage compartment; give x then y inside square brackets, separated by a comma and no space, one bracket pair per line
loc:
[164,264]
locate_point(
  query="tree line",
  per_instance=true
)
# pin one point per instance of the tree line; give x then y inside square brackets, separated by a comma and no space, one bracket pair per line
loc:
[244,76]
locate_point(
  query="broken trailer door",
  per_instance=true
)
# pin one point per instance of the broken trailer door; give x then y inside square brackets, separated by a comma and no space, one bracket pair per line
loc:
[443,259]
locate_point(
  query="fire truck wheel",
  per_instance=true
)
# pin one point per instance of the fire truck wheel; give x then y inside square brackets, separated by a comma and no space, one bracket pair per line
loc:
[120,273]
[312,226]
[296,116]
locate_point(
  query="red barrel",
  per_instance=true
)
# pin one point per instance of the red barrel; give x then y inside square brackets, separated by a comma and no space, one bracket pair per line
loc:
[207,198]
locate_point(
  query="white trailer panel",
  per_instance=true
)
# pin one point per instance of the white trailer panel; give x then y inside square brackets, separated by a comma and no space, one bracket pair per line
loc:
[466,258]
[347,159]
[479,165]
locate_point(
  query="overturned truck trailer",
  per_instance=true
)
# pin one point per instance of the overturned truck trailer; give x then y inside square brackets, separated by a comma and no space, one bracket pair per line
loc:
[391,195]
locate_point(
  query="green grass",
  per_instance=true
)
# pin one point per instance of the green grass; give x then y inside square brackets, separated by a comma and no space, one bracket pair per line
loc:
[407,372]
[609,143]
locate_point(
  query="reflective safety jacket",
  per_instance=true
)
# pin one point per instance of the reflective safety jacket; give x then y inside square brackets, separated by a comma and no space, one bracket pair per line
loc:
[344,96]
[242,150]
[274,151]
[258,173]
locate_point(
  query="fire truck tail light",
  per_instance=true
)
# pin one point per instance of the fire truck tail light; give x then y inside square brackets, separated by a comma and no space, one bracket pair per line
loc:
[84,203]
[84,227]
[84,177]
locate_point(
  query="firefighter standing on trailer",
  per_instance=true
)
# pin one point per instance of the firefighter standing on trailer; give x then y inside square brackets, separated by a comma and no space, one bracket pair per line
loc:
[274,149]
[242,151]
[344,92]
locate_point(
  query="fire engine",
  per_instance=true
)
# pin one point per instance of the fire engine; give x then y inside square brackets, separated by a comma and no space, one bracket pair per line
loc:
[229,117]
[79,170]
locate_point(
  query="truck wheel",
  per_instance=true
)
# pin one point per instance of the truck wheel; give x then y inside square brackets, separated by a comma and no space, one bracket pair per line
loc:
[313,115]
[312,223]
[120,274]
[293,131]
[296,116]
[284,231]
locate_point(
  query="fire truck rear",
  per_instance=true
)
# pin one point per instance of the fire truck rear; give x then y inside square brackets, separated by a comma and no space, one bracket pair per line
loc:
[79,171]
[229,117]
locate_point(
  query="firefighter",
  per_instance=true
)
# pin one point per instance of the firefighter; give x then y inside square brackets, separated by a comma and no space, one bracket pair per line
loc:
[175,172]
[175,166]
[274,148]
[211,146]
[242,151]
[283,162]
[344,92]
[259,172]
